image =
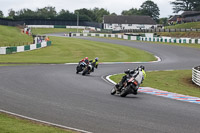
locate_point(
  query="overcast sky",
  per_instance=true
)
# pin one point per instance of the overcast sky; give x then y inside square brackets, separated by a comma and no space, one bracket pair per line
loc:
[116,6]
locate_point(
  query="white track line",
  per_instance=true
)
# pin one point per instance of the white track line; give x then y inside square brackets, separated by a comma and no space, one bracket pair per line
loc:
[45,122]
[166,94]
[70,128]
[158,60]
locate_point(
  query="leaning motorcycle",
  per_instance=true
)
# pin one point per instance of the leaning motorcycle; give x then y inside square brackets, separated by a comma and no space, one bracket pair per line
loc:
[80,67]
[88,69]
[131,87]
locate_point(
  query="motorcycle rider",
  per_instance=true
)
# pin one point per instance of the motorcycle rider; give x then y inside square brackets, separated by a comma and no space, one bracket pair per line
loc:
[94,63]
[90,67]
[82,63]
[86,60]
[139,74]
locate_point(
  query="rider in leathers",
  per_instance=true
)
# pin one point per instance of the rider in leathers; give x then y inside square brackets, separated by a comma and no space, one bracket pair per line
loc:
[94,63]
[139,74]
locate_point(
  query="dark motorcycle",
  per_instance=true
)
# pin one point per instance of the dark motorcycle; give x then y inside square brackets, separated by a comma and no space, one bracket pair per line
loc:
[80,67]
[89,68]
[130,87]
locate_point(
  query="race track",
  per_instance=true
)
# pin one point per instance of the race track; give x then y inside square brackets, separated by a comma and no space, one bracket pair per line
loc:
[54,93]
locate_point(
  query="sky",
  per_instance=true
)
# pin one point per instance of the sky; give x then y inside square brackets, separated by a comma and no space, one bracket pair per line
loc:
[116,6]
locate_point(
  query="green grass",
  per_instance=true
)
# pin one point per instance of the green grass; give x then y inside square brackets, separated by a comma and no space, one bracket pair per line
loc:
[181,44]
[179,81]
[53,30]
[194,25]
[64,50]
[10,124]
[12,36]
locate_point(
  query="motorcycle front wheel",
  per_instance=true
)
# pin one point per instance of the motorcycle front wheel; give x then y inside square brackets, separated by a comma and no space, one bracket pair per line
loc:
[125,91]
[113,91]
[85,71]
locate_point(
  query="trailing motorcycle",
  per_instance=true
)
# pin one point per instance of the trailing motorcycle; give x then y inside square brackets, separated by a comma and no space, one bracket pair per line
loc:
[89,68]
[130,87]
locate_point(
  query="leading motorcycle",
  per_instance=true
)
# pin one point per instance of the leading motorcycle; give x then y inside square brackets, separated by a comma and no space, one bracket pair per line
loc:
[80,67]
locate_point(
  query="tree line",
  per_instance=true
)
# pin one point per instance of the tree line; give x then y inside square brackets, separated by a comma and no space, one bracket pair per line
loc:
[96,14]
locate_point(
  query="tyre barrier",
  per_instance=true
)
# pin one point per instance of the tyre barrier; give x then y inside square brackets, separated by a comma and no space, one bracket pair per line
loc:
[196,75]
[14,49]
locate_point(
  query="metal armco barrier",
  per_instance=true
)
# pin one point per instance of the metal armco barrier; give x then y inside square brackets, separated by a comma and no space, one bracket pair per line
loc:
[196,75]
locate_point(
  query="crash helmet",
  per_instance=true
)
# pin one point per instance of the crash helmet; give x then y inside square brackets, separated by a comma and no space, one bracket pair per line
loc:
[86,61]
[86,58]
[142,67]
[96,59]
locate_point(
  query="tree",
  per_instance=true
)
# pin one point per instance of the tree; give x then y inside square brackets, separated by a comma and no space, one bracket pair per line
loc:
[66,15]
[151,9]
[132,11]
[1,14]
[11,13]
[46,12]
[196,5]
[113,14]
[85,14]
[25,14]
[185,5]
[163,21]
[99,13]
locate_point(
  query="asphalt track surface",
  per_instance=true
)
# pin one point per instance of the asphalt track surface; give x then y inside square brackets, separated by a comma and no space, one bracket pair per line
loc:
[54,93]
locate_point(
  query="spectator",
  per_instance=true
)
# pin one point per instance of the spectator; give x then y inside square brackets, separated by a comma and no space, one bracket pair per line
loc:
[70,34]
[47,39]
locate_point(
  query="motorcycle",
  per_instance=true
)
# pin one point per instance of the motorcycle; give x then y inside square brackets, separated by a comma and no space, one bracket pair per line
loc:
[130,87]
[89,68]
[80,67]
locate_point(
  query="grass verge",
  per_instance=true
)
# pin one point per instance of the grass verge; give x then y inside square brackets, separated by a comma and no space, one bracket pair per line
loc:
[65,50]
[175,44]
[11,124]
[179,81]
[194,25]
[12,36]
[53,30]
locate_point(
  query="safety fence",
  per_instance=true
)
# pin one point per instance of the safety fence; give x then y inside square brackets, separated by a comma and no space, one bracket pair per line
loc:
[14,49]
[56,22]
[196,75]
[156,30]
[139,38]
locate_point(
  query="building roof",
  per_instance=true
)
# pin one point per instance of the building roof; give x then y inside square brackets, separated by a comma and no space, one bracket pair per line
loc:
[190,13]
[174,18]
[128,20]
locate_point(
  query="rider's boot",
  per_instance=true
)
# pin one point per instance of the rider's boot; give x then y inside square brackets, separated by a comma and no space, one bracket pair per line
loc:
[135,91]
[118,87]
